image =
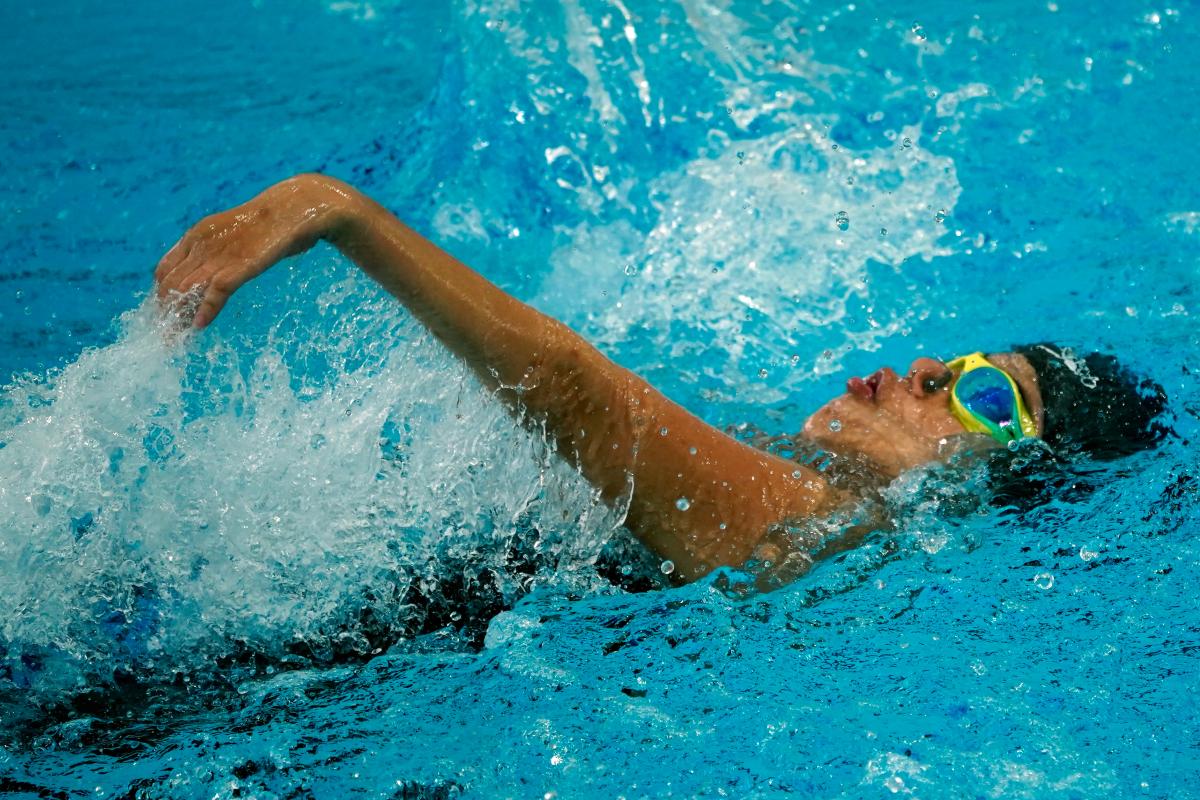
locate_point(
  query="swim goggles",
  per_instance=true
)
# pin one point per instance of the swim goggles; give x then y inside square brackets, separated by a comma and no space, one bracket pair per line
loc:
[986,399]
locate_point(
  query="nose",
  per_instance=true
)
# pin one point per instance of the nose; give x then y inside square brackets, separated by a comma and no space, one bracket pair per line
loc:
[928,375]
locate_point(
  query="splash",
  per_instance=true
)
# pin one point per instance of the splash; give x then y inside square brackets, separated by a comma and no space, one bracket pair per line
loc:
[167,506]
[750,266]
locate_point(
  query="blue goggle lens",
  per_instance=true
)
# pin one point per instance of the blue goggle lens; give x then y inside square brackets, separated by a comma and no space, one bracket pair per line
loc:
[987,393]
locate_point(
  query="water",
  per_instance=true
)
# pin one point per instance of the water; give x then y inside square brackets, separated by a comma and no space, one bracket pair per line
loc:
[271,561]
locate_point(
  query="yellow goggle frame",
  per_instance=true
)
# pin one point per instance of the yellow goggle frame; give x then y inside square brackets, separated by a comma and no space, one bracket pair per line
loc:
[977,424]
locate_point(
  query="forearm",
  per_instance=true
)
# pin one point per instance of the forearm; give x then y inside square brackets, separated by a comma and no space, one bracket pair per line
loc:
[589,405]
[500,337]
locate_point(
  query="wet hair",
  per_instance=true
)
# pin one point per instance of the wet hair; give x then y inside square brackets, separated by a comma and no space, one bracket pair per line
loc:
[1096,409]
[1094,405]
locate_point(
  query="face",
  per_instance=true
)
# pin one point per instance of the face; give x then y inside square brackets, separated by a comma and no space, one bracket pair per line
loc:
[896,422]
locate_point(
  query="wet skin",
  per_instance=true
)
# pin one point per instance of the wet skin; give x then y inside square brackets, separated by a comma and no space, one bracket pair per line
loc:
[693,495]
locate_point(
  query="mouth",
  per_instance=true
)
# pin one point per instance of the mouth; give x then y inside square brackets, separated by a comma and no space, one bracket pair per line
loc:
[866,388]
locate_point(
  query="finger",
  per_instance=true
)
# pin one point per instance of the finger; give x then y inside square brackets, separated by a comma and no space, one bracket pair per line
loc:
[173,257]
[219,290]
[195,268]
[172,275]
[191,241]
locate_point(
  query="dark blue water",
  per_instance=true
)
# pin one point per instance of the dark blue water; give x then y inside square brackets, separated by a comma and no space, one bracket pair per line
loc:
[269,561]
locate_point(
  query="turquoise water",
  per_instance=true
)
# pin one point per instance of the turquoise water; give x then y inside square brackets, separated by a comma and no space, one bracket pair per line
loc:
[303,555]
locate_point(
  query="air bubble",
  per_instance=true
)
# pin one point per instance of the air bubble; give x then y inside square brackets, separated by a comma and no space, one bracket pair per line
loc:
[918,31]
[667,567]
[906,143]
[1043,580]
[663,431]
[842,220]
[835,425]
[692,451]
[1089,551]
[762,373]
[683,504]
[940,216]
[883,231]
[631,269]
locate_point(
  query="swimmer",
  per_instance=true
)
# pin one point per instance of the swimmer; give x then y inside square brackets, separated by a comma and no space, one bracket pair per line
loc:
[696,496]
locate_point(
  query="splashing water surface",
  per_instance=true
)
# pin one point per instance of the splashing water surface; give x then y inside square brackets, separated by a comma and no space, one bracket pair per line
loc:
[304,553]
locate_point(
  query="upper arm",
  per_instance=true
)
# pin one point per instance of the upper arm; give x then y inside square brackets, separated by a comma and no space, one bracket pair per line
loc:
[707,500]
[697,497]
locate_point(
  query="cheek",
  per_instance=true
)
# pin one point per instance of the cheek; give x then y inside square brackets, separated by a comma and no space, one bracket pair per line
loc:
[937,422]
[852,428]
[928,417]
[837,421]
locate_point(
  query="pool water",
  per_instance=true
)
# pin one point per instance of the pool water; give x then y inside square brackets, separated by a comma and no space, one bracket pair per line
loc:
[302,554]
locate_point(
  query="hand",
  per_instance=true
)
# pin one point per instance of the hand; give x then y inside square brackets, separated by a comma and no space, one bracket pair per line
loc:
[223,251]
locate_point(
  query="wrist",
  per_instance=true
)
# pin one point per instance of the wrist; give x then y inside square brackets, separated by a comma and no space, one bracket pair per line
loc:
[332,204]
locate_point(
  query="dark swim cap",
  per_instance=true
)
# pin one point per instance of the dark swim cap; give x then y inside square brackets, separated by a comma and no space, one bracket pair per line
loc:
[1094,405]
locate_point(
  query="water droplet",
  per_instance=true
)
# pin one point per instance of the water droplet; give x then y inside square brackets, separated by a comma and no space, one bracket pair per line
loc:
[940,216]
[662,431]
[797,474]
[667,567]
[883,231]
[722,526]
[835,425]
[683,504]
[842,220]
[692,451]
[1043,580]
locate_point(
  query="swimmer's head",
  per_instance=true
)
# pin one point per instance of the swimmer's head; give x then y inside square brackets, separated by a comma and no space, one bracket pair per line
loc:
[892,423]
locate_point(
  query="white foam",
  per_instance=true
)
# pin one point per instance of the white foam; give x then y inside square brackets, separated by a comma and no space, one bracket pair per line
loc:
[162,502]
[752,225]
